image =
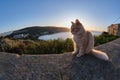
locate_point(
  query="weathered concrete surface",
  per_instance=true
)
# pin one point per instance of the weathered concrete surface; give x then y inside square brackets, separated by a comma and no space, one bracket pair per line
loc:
[62,66]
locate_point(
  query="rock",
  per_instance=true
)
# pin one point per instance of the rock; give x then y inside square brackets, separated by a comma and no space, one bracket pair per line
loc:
[62,66]
[89,67]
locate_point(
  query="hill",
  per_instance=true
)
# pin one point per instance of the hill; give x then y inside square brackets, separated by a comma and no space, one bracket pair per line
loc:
[6,33]
[36,31]
[62,66]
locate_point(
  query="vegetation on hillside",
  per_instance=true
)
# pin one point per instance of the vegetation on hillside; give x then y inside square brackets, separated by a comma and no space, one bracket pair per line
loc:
[20,46]
[104,38]
[36,31]
[36,47]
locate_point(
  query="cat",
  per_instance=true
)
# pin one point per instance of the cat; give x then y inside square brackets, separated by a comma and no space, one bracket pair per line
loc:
[84,42]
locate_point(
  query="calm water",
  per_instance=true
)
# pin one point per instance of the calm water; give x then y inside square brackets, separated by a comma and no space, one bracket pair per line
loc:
[62,35]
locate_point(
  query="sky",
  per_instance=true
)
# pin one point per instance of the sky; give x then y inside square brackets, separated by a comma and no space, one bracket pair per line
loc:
[93,14]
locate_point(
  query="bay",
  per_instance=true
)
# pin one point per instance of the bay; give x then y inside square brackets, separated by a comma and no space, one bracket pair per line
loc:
[62,35]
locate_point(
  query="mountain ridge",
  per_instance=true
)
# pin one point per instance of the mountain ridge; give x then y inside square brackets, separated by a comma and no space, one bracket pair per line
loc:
[35,31]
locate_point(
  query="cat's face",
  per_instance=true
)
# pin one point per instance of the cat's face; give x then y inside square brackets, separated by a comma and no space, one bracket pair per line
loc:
[76,27]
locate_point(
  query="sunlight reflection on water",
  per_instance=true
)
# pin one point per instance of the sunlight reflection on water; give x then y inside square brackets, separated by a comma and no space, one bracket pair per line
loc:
[62,35]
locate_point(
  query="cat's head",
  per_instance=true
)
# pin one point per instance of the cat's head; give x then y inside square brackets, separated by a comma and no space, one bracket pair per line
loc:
[77,27]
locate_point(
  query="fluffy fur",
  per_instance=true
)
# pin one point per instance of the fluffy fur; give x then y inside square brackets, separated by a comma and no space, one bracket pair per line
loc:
[84,42]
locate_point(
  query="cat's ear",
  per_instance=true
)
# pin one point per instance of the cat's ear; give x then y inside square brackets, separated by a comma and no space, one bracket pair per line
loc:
[72,22]
[77,21]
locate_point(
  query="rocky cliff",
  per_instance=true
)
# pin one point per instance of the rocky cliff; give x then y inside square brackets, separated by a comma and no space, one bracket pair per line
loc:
[62,66]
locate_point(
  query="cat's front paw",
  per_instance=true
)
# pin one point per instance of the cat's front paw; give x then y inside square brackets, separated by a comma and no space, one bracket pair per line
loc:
[79,55]
[75,52]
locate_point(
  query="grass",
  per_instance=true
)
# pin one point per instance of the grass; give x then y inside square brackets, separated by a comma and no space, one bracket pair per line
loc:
[104,38]
[36,47]
[46,47]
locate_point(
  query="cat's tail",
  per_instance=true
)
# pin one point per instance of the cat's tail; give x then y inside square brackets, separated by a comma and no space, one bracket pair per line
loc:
[100,54]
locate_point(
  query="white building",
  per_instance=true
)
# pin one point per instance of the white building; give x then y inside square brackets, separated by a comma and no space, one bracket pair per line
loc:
[21,36]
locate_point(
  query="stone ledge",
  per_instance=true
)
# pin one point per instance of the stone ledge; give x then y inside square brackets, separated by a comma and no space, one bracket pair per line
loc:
[62,66]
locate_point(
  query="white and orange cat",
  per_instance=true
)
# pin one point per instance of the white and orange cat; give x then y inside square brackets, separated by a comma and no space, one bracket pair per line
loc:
[84,41]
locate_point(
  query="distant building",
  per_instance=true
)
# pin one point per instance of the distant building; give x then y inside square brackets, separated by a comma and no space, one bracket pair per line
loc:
[114,29]
[19,36]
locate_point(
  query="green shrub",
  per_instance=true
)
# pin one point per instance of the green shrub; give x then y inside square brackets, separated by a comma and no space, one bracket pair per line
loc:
[46,47]
[104,38]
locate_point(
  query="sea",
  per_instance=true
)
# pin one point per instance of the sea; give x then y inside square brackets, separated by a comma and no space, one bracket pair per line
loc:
[62,35]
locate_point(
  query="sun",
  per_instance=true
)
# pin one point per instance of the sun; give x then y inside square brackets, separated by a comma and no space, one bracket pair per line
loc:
[66,18]
[67,21]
